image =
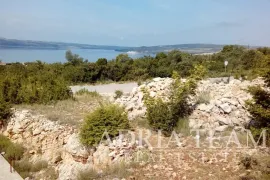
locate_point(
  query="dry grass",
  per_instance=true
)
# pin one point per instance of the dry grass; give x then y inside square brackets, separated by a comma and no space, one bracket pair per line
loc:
[203,97]
[140,123]
[71,111]
[88,174]
[183,126]
[26,168]
[48,174]
[119,170]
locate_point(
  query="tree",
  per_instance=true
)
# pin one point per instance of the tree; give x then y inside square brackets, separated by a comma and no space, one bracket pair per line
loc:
[259,107]
[5,111]
[101,62]
[161,55]
[122,58]
[251,59]
[73,59]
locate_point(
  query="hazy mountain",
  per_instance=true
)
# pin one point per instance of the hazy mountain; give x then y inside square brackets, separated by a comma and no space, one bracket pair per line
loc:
[28,44]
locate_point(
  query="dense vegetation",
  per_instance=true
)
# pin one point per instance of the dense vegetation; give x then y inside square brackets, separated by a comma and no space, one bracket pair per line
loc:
[242,62]
[31,83]
[259,107]
[42,83]
[164,115]
[109,118]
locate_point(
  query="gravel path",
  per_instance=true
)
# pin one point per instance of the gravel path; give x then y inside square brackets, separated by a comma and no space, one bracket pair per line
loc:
[106,88]
[5,173]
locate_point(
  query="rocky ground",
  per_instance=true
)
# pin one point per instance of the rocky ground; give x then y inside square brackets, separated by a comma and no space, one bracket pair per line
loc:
[218,105]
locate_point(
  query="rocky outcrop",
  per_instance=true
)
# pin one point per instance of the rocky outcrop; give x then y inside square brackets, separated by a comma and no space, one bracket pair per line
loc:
[38,134]
[225,106]
[60,146]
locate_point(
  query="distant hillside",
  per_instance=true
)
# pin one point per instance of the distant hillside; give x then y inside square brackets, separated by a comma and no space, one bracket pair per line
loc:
[27,44]
[191,48]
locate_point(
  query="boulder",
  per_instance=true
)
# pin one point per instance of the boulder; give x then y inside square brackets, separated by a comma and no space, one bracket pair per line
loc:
[75,148]
[101,156]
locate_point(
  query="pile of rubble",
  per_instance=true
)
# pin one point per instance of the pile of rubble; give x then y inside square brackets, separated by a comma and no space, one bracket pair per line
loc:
[225,106]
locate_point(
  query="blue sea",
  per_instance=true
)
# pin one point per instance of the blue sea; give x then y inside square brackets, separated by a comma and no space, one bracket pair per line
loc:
[51,56]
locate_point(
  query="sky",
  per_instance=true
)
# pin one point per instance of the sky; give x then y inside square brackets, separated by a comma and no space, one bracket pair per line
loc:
[137,22]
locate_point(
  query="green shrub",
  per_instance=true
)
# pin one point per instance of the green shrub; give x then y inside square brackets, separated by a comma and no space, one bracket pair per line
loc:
[160,116]
[5,111]
[111,118]
[20,85]
[12,151]
[118,94]
[164,115]
[259,108]
[4,143]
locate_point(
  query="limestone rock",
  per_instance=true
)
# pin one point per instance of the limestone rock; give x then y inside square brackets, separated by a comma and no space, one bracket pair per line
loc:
[75,148]
[101,156]
[226,107]
[221,128]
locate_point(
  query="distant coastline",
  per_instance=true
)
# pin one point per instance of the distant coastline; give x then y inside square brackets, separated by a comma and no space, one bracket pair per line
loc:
[42,45]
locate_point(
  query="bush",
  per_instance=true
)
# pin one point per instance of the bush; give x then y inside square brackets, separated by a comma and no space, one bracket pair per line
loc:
[111,118]
[160,116]
[12,151]
[4,143]
[259,107]
[32,84]
[118,94]
[165,115]
[5,111]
